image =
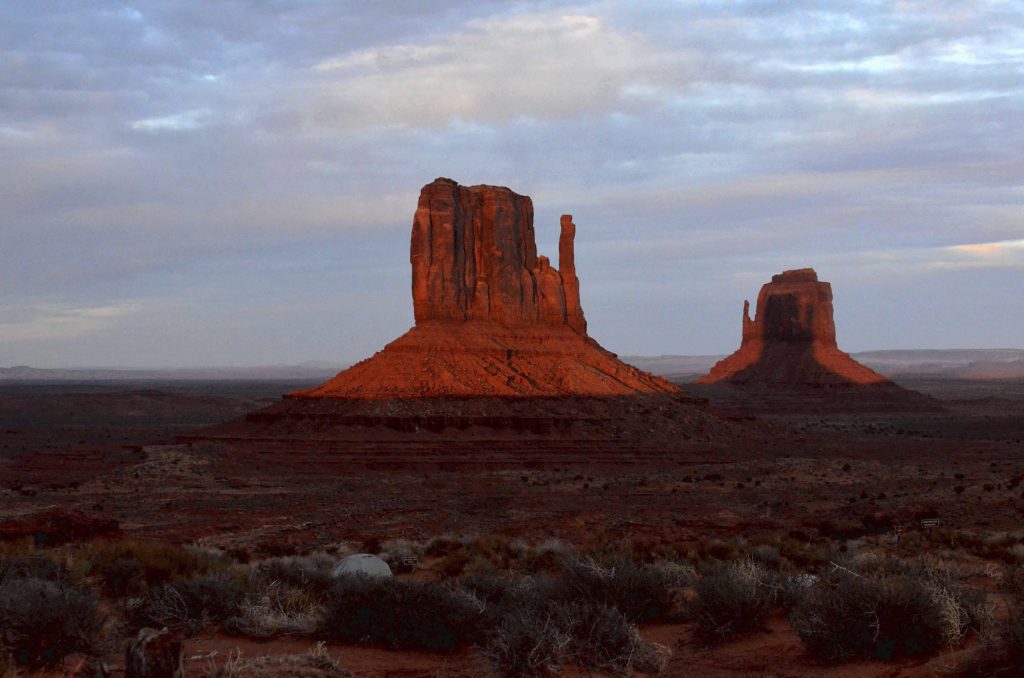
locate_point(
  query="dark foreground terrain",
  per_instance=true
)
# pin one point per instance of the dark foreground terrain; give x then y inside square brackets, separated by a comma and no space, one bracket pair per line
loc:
[809,485]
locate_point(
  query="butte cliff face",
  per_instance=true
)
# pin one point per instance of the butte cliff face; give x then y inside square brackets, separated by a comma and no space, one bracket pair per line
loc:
[474,257]
[792,339]
[493,318]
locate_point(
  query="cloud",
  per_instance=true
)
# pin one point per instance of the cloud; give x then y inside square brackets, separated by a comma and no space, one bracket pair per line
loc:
[175,149]
[186,120]
[50,321]
[543,66]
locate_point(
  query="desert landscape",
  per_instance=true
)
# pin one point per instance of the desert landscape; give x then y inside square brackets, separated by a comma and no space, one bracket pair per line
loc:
[512,339]
[541,505]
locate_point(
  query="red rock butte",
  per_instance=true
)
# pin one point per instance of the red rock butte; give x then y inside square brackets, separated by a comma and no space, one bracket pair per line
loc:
[493,318]
[791,340]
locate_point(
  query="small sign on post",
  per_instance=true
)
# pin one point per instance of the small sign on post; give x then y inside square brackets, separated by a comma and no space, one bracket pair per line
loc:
[930,523]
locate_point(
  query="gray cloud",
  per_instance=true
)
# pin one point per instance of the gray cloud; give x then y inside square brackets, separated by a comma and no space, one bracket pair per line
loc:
[254,165]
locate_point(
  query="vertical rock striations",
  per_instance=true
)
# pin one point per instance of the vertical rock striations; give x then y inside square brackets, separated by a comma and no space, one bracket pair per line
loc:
[474,257]
[792,339]
[493,318]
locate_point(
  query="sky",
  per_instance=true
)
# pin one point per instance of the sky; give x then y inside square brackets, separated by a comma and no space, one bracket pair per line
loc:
[233,182]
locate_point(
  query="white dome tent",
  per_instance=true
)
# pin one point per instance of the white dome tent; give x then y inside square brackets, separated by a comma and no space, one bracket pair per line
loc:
[362,564]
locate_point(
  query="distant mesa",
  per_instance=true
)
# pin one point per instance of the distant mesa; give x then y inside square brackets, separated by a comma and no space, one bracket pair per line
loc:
[792,339]
[493,318]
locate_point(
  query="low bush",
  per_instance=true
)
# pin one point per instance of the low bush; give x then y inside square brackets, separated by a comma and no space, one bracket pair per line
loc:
[883,609]
[1002,652]
[399,614]
[275,608]
[192,605]
[44,620]
[130,568]
[33,565]
[732,598]
[540,640]
[311,573]
[640,593]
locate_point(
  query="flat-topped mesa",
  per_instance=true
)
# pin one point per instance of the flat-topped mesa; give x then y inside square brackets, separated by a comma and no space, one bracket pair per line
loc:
[794,306]
[792,339]
[474,257]
[492,317]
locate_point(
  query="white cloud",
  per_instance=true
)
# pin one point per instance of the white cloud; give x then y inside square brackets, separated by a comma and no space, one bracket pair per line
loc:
[177,122]
[542,66]
[51,321]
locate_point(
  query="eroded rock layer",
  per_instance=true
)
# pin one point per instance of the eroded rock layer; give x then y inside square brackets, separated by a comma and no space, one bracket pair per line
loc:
[492,317]
[792,339]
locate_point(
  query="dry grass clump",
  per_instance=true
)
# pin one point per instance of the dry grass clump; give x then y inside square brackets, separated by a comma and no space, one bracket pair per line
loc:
[733,598]
[316,663]
[274,609]
[191,605]
[885,608]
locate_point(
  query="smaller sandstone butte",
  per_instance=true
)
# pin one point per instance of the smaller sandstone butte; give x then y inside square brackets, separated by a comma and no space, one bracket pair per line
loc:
[791,340]
[493,318]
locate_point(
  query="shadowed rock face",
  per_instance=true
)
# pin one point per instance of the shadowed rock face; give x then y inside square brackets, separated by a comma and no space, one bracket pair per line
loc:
[792,339]
[493,318]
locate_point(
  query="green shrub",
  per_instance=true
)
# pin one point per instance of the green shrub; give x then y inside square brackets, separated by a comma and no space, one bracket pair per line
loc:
[44,620]
[399,614]
[732,598]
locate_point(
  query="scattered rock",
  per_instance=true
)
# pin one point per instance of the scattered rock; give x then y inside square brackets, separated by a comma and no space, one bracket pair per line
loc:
[155,654]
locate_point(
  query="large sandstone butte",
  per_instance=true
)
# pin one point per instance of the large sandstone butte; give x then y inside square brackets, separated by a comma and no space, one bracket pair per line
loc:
[791,340]
[493,318]
[498,362]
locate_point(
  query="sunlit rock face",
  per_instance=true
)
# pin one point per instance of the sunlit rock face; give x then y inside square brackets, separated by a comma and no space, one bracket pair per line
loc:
[474,257]
[792,339]
[493,318]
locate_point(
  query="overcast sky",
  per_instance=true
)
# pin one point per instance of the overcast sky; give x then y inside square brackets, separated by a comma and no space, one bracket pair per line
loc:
[233,183]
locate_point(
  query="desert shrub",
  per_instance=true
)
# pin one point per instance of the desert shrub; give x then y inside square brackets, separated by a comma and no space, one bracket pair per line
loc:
[401,555]
[399,614]
[311,573]
[316,663]
[129,567]
[275,608]
[44,620]
[33,565]
[527,642]
[884,608]
[441,546]
[641,593]
[538,640]
[1002,652]
[732,598]
[191,605]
